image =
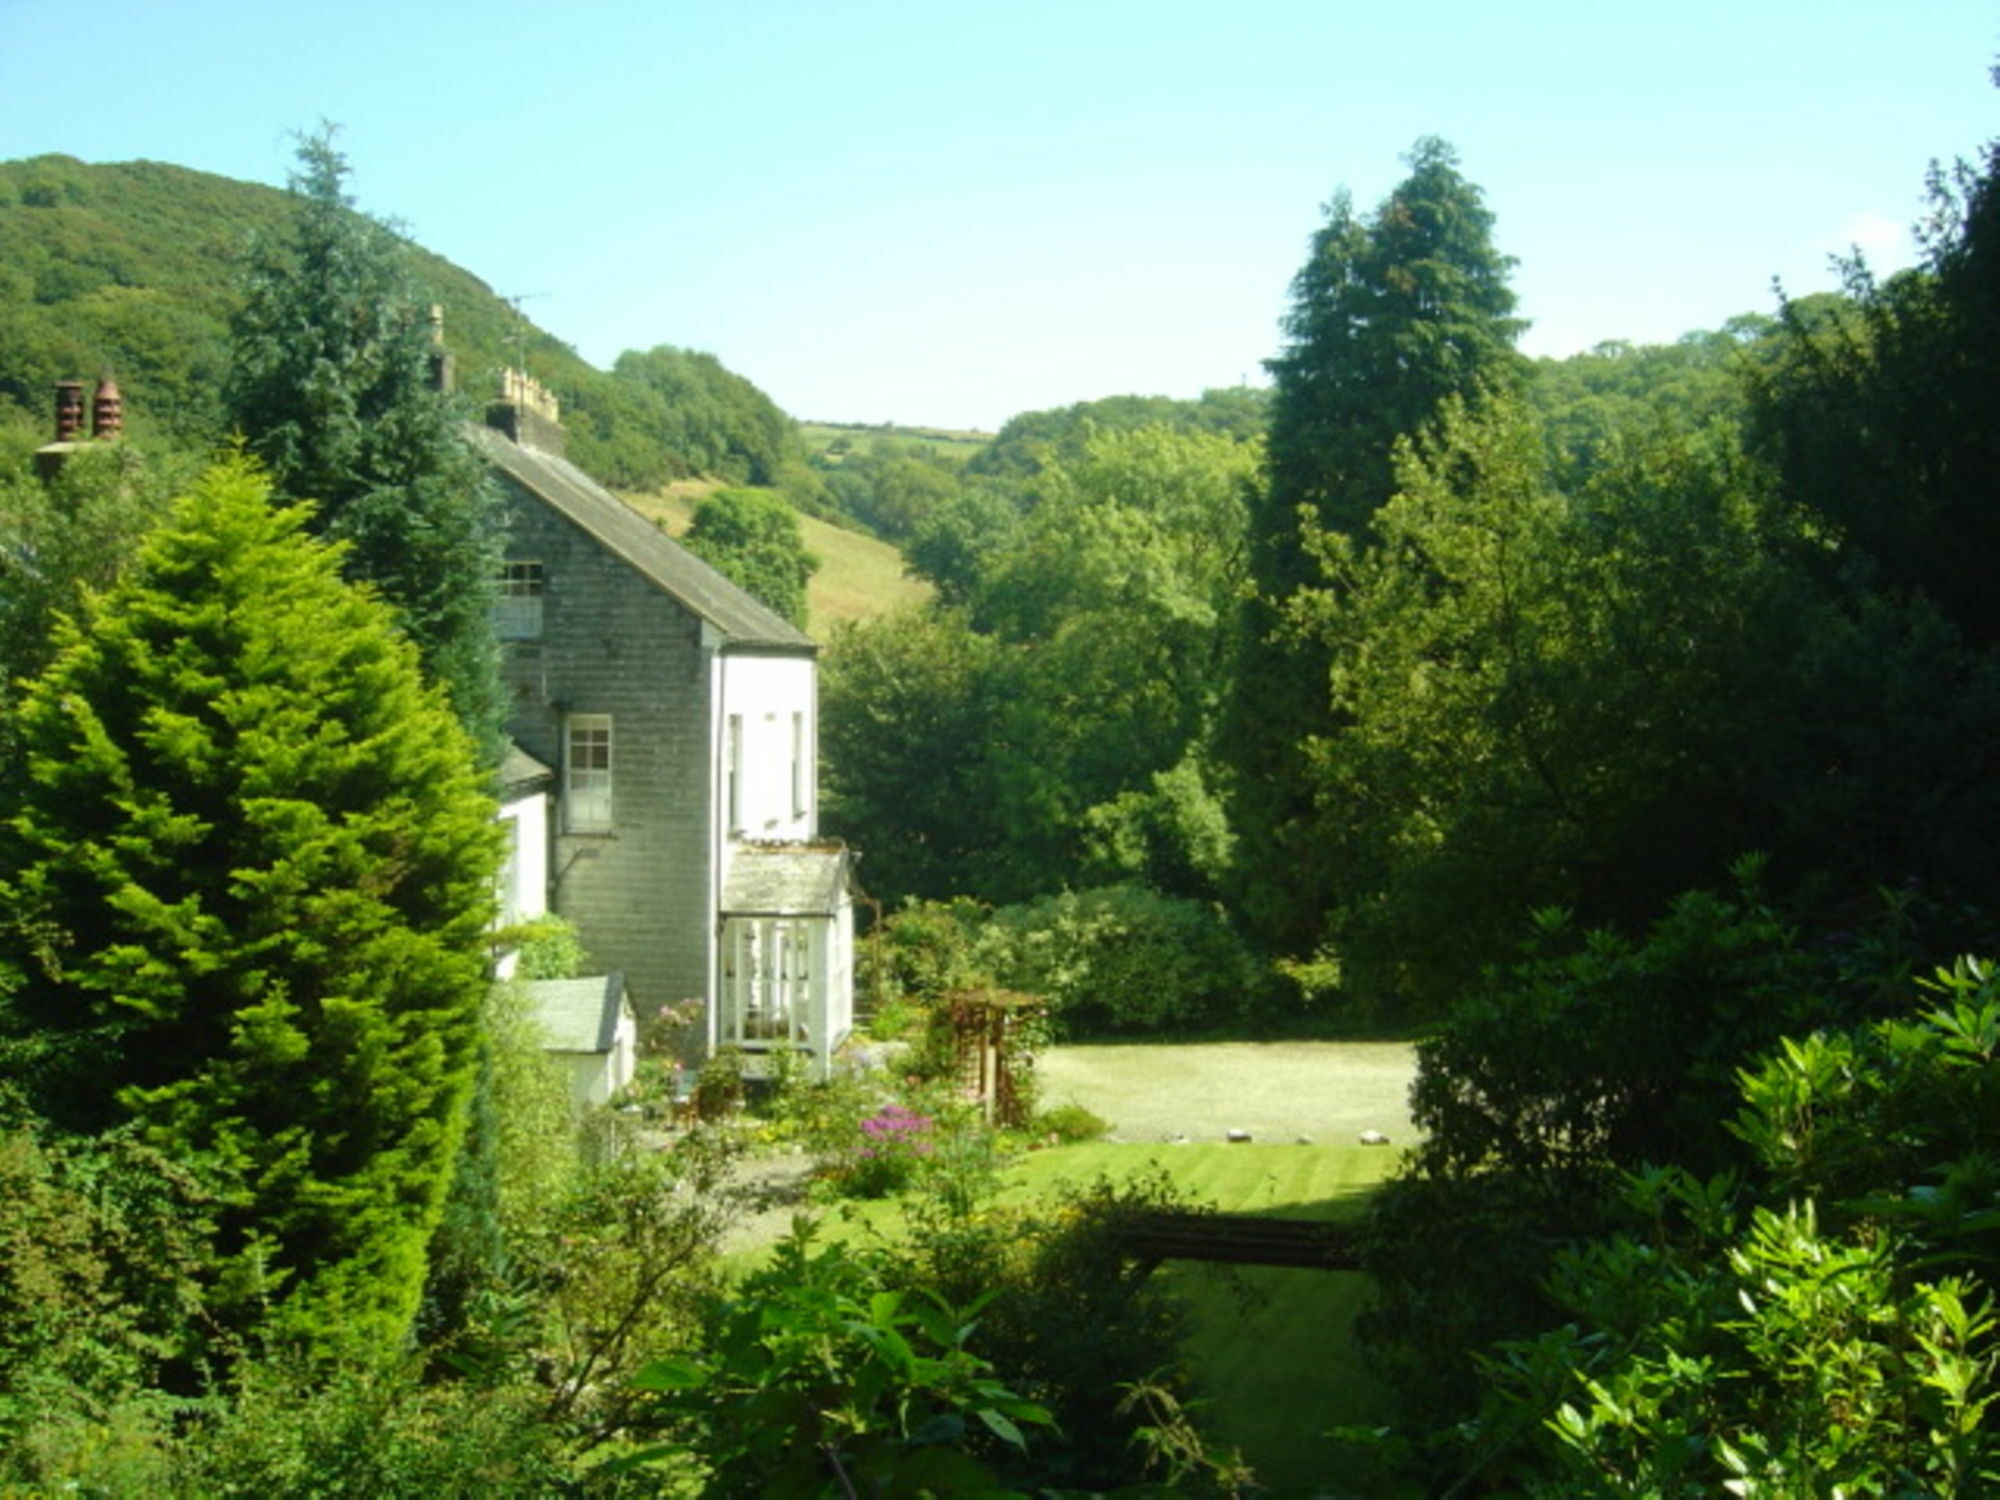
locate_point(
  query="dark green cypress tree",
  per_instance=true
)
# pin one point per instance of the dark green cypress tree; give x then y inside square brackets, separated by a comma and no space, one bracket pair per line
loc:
[246,891]
[1389,316]
[332,386]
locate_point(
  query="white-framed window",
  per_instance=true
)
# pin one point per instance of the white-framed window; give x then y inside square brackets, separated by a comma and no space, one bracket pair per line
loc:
[801,781]
[733,762]
[517,608]
[587,773]
[766,982]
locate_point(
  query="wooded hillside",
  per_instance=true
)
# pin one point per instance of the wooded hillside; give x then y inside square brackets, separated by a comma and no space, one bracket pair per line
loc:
[132,269]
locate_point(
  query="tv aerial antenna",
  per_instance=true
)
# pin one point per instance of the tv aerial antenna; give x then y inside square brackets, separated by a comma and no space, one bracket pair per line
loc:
[517,338]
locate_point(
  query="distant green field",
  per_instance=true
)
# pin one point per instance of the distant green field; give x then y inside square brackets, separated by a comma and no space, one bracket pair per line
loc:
[859,576]
[820,436]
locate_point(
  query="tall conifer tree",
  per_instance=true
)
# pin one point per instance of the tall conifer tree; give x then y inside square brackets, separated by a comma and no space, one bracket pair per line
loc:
[245,894]
[332,386]
[1389,316]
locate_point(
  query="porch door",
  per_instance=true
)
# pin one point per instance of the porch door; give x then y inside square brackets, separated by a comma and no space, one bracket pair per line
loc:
[766,982]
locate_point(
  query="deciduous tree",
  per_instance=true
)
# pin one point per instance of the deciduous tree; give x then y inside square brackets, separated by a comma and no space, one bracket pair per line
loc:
[753,537]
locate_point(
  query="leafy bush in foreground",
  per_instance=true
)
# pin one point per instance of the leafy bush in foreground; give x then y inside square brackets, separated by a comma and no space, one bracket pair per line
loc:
[1825,1323]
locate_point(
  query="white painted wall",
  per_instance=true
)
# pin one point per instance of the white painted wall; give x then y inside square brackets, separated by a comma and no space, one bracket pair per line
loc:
[598,1077]
[524,876]
[771,702]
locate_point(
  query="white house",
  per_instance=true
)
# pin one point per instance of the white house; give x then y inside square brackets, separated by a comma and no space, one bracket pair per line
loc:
[678,720]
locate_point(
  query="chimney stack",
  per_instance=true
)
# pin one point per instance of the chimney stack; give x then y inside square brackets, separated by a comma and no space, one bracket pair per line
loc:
[528,412]
[107,421]
[444,376]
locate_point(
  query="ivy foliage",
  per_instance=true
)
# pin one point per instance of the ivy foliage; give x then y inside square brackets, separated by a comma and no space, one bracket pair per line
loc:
[247,882]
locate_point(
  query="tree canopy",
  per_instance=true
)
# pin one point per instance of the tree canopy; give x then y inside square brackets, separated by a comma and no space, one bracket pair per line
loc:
[332,387]
[1390,316]
[753,537]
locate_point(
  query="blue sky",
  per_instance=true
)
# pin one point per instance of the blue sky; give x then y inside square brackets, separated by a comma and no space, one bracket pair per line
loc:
[950,211]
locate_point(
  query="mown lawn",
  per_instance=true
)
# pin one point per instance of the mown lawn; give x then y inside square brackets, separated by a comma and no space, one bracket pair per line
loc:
[1271,1346]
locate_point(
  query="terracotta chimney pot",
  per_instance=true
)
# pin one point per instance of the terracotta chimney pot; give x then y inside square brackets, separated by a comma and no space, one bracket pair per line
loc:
[69,410]
[107,411]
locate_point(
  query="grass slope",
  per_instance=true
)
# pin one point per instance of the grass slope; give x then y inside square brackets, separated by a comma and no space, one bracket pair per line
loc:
[859,576]
[821,436]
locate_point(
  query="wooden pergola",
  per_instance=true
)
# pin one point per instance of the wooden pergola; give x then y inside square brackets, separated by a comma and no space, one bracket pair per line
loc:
[987,1053]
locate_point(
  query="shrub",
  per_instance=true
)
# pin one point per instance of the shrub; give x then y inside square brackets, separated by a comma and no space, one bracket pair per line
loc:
[101,1247]
[823,1378]
[926,950]
[718,1088]
[1121,959]
[1823,1324]
[365,1432]
[1067,1319]
[1595,1053]
[549,948]
[885,1152]
[1071,1124]
[620,1270]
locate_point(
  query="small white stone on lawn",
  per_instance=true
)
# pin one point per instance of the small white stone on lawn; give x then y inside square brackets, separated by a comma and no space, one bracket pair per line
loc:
[1374,1138]
[1239,1134]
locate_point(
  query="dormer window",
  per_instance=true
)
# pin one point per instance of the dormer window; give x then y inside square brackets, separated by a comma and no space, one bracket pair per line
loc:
[517,612]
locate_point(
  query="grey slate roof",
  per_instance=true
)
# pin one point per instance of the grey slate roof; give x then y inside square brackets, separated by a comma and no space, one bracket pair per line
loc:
[785,880]
[742,620]
[521,772]
[578,1015]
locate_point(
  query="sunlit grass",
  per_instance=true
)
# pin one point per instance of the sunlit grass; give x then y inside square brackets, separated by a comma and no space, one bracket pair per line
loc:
[1270,1347]
[859,576]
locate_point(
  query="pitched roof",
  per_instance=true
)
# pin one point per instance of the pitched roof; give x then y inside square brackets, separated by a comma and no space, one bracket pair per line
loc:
[786,880]
[520,772]
[697,587]
[579,1015]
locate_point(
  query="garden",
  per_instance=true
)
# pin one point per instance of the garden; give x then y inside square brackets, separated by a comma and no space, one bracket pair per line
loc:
[1207,1373]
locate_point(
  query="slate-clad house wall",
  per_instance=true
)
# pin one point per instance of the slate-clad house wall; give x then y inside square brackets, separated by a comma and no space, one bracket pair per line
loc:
[677,712]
